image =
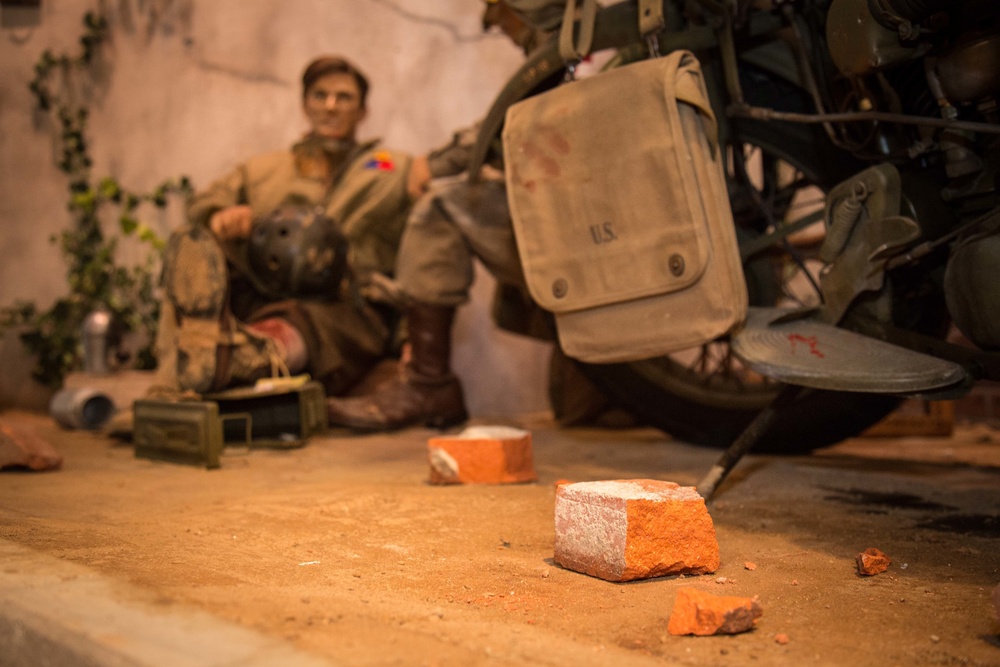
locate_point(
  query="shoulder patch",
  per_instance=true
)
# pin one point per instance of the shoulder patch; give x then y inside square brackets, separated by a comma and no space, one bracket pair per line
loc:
[381,161]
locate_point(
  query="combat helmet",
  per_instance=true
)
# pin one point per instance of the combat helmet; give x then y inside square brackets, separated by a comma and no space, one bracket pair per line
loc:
[297,251]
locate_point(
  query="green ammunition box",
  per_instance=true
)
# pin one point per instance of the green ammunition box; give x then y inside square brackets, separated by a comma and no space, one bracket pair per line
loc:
[271,415]
[178,431]
[280,414]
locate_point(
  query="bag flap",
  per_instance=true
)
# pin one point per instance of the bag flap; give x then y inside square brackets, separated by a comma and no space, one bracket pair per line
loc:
[605,204]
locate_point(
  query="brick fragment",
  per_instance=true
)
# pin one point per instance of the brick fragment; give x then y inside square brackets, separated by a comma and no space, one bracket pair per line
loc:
[21,447]
[699,613]
[482,455]
[624,530]
[872,561]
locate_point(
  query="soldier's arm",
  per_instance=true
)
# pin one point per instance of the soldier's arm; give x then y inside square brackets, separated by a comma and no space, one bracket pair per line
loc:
[453,158]
[232,222]
[226,196]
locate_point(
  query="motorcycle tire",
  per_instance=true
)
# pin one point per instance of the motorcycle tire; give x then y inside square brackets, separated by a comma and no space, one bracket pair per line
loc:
[707,407]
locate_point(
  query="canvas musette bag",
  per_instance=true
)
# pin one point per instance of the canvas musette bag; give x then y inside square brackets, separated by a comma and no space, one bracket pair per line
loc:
[619,204]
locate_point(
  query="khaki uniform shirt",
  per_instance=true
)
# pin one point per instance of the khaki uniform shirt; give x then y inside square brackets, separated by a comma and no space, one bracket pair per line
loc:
[368,200]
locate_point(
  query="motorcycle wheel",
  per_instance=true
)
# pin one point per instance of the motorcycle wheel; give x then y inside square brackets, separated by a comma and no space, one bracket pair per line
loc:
[704,396]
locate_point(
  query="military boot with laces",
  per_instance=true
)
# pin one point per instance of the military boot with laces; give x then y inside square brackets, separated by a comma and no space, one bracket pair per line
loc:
[211,349]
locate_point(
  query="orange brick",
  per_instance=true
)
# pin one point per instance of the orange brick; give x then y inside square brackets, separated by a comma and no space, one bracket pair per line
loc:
[482,455]
[634,529]
[699,613]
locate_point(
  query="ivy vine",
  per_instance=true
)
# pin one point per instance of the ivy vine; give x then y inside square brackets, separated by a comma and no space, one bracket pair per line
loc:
[95,278]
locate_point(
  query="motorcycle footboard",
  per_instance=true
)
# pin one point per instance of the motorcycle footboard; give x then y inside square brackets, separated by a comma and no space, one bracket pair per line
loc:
[815,354]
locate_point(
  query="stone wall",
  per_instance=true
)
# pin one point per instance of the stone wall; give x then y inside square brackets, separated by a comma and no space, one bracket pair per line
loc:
[193,86]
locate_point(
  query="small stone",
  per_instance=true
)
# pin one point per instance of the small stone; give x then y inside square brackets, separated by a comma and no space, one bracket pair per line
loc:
[781,638]
[872,561]
[750,566]
[699,613]
[935,639]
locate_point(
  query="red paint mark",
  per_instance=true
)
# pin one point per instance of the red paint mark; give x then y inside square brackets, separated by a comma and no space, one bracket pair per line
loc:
[808,340]
[546,164]
[557,142]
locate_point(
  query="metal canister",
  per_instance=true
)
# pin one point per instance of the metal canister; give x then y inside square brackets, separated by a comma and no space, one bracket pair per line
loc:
[96,329]
[84,408]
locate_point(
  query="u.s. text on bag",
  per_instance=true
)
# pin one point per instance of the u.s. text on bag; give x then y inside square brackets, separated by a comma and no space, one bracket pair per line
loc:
[623,224]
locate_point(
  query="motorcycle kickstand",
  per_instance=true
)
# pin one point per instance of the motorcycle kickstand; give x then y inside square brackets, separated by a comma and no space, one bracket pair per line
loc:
[747,439]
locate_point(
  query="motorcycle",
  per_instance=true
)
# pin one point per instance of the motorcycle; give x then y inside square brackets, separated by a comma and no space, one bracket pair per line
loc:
[863,154]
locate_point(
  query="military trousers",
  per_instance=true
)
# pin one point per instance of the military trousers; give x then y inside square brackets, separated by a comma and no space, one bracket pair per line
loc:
[345,337]
[456,222]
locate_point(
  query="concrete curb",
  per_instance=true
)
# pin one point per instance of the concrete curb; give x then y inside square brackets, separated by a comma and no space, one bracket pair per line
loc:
[57,613]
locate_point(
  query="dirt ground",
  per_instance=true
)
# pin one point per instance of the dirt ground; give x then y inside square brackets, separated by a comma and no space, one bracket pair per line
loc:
[343,550]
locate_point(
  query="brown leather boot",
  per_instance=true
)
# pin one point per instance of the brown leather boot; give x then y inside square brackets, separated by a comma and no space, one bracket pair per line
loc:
[425,390]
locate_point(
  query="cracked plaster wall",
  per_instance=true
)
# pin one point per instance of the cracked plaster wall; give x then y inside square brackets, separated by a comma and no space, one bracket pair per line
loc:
[193,86]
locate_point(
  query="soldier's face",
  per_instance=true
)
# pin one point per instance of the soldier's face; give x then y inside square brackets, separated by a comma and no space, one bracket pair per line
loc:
[333,106]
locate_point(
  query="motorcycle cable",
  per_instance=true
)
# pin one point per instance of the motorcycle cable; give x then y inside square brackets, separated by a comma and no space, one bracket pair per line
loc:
[925,248]
[766,114]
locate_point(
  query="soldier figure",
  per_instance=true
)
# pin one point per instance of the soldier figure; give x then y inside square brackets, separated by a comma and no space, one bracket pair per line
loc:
[268,276]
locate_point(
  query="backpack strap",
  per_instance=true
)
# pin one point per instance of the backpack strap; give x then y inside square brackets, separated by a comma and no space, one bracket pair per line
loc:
[574,50]
[651,19]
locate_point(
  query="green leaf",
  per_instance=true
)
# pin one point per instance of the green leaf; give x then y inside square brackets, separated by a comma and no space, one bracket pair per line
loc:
[128,224]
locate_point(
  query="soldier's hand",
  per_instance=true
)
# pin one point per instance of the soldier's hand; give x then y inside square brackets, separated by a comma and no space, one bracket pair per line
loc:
[419,177]
[231,223]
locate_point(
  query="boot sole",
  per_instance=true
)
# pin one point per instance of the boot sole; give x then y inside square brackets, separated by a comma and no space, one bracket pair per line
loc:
[196,282]
[437,422]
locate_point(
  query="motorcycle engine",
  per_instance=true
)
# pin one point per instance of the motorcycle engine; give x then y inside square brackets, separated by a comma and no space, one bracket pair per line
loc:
[962,36]
[860,43]
[958,42]
[970,70]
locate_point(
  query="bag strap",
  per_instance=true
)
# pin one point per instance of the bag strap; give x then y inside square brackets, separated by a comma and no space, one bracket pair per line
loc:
[651,19]
[572,51]
[689,87]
